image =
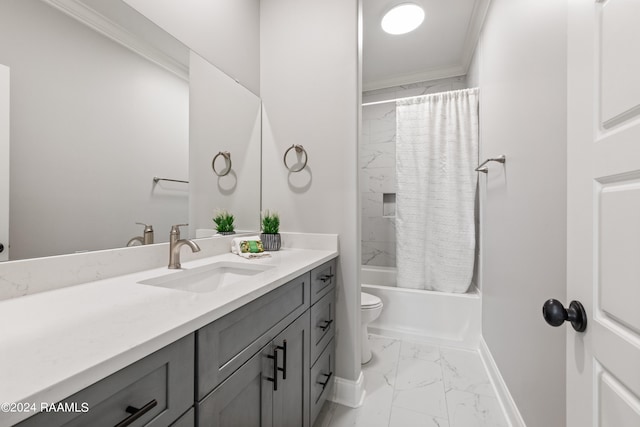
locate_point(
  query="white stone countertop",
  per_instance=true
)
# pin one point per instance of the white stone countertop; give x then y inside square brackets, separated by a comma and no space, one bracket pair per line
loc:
[54,344]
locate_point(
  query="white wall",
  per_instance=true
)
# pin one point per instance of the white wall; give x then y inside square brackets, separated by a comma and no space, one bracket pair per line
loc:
[226,33]
[223,116]
[91,124]
[310,93]
[520,67]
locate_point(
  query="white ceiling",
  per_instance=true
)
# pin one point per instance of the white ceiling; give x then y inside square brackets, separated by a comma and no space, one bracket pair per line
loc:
[441,47]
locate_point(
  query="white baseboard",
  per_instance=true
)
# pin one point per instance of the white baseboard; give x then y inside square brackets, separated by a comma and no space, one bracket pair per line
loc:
[502,392]
[348,393]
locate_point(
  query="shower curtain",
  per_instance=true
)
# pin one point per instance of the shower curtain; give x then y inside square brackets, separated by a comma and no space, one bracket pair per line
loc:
[436,154]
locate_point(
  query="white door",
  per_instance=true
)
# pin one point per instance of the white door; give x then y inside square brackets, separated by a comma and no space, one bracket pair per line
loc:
[603,364]
[4,163]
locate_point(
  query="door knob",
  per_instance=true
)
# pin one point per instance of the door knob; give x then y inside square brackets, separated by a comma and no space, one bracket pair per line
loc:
[555,314]
[1,248]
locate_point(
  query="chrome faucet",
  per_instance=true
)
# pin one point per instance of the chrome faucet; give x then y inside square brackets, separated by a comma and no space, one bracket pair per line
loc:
[175,243]
[146,238]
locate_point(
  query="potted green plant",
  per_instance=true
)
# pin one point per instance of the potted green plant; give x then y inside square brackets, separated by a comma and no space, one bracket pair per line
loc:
[270,236]
[224,222]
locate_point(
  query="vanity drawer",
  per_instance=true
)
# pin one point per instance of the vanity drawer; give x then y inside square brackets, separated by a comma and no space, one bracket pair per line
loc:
[321,380]
[323,279]
[165,377]
[224,345]
[323,324]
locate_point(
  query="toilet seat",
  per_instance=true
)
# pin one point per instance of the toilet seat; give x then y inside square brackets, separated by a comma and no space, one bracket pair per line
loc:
[369,302]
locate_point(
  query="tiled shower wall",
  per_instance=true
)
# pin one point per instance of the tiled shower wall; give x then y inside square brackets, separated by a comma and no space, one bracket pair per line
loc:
[378,167]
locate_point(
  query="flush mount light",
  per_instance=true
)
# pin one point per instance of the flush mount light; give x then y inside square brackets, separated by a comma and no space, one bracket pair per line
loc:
[402,18]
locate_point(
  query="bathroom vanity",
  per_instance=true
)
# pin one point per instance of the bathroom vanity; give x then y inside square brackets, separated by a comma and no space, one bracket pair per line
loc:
[138,350]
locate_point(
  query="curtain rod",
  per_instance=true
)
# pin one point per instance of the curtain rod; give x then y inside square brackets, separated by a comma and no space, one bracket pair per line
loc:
[396,99]
[410,97]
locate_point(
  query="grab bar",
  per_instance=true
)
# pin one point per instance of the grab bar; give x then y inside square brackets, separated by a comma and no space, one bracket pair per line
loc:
[484,169]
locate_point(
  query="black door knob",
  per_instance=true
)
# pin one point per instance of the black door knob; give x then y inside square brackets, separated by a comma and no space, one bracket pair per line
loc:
[555,314]
[1,248]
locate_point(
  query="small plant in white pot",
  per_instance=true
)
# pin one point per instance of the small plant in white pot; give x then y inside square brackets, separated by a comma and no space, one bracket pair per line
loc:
[224,222]
[270,236]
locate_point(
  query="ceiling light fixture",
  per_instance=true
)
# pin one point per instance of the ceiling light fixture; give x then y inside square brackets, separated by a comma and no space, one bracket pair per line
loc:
[402,18]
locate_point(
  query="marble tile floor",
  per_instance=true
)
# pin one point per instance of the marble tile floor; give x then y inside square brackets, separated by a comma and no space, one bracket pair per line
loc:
[416,384]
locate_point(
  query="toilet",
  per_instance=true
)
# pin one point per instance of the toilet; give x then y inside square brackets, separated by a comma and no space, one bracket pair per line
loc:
[370,309]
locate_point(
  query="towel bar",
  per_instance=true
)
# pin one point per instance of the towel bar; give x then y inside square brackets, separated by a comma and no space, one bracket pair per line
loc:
[484,169]
[156,179]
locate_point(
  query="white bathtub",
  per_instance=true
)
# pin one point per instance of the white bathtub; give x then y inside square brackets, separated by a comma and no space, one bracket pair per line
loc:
[438,317]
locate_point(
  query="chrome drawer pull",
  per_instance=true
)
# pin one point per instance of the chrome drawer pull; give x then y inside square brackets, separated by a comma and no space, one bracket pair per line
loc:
[326,277]
[326,325]
[324,384]
[136,413]
[274,380]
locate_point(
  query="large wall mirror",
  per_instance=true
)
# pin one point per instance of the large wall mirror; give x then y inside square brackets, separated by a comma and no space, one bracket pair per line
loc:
[102,101]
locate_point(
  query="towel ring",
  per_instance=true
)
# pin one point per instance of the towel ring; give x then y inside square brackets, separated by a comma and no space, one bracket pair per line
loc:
[227,159]
[299,149]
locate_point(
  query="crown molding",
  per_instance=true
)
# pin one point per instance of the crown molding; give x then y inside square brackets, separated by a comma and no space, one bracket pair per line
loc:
[98,22]
[422,76]
[474,29]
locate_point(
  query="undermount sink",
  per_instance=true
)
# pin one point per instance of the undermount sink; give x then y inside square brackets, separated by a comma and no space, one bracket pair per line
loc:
[207,278]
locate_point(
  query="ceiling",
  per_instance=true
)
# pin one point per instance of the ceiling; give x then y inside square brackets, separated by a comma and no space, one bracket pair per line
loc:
[441,47]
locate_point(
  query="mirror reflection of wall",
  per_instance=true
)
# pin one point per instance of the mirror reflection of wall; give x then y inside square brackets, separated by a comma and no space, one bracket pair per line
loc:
[224,32]
[236,129]
[92,123]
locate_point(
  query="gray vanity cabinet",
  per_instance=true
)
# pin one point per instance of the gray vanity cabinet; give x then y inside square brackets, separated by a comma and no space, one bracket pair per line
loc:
[323,315]
[154,391]
[322,379]
[271,389]
[225,345]
[322,333]
[291,399]
[269,363]
[243,399]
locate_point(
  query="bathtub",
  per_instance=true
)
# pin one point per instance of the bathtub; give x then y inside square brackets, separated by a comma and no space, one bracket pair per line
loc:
[438,317]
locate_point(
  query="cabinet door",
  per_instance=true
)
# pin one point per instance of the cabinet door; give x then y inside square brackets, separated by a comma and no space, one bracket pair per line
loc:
[244,399]
[291,399]
[224,345]
[188,419]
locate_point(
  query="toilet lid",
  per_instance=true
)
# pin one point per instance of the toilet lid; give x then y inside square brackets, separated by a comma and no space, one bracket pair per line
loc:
[368,300]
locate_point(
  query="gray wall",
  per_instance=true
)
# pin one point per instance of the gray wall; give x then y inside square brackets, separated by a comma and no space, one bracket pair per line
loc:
[520,67]
[310,93]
